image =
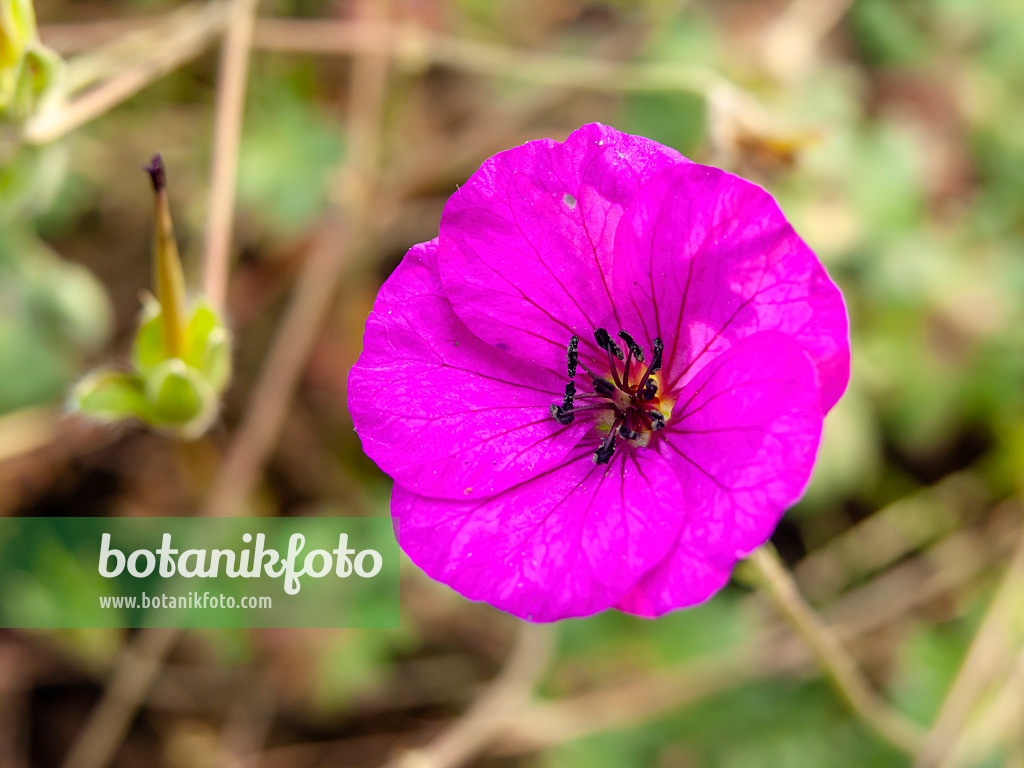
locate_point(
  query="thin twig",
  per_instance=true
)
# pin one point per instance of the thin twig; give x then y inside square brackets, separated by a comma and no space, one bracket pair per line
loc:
[996,727]
[885,600]
[95,37]
[248,725]
[837,664]
[621,705]
[507,695]
[258,432]
[890,534]
[190,38]
[137,669]
[294,339]
[279,378]
[227,131]
[790,44]
[985,658]
[107,48]
[416,47]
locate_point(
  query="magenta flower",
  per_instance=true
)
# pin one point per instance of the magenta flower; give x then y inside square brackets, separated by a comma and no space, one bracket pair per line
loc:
[602,383]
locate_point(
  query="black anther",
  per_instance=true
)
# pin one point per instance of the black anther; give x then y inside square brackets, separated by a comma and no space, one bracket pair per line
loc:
[604,341]
[638,353]
[604,454]
[563,413]
[574,357]
[628,433]
[659,347]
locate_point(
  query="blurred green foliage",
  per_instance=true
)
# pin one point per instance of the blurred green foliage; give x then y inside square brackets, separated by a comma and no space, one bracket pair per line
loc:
[52,313]
[290,147]
[764,725]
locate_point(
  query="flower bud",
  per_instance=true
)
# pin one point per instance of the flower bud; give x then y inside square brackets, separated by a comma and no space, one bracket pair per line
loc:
[28,70]
[17,30]
[181,355]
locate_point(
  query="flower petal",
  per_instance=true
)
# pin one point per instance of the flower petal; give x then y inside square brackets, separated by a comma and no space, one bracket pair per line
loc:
[526,243]
[685,578]
[442,412]
[570,542]
[742,442]
[704,259]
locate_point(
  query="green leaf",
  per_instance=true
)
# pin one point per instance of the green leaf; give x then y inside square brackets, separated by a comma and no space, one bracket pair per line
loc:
[177,393]
[673,118]
[148,349]
[27,69]
[216,362]
[925,667]
[890,33]
[288,150]
[202,322]
[30,180]
[110,395]
[208,346]
[38,74]
[763,725]
[66,301]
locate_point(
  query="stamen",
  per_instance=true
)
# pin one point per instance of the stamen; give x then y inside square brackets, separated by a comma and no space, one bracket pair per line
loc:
[659,347]
[570,393]
[563,413]
[604,454]
[574,357]
[604,341]
[626,370]
[638,353]
[604,387]
[579,361]
[585,408]
[628,433]
[634,350]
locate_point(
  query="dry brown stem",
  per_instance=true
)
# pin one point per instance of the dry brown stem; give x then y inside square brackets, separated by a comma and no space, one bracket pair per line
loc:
[503,699]
[140,663]
[192,33]
[136,671]
[988,655]
[839,667]
[227,133]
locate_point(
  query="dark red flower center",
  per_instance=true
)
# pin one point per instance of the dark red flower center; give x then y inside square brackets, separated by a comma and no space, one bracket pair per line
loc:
[632,410]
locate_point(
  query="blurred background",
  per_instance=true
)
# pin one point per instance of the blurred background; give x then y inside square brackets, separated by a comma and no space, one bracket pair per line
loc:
[891,132]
